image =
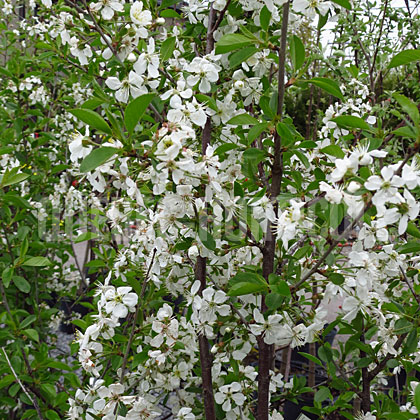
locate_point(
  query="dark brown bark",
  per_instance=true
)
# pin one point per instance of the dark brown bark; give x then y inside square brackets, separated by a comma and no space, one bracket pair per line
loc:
[205,357]
[201,265]
[266,351]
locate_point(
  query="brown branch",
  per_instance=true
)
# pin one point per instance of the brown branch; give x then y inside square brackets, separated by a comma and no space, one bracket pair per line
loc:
[220,18]
[206,360]
[380,366]
[101,32]
[266,351]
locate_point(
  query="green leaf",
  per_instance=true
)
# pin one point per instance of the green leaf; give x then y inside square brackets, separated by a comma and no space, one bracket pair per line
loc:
[297,52]
[245,288]
[273,301]
[405,131]
[410,345]
[325,354]
[52,415]
[22,284]
[409,247]
[93,103]
[37,262]
[328,85]
[322,394]
[135,109]
[404,57]
[49,390]
[207,100]
[54,364]
[344,3]
[255,131]
[333,150]
[281,288]
[221,150]
[92,119]
[27,321]
[242,119]
[417,397]
[80,323]
[32,334]
[6,381]
[409,107]
[265,17]
[96,158]
[312,358]
[13,179]
[413,230]
[336,278]
[249,277]
[167,48]
[170,13]
[352,122]
[242,55]
[207,239]
[86,236]
[231,42]
[254,154]
[135,284]
[308,144]
[7,276]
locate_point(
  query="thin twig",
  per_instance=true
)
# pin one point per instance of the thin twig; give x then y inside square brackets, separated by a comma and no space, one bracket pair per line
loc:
[133,328]
[410,286]
[220,18]
[33,400]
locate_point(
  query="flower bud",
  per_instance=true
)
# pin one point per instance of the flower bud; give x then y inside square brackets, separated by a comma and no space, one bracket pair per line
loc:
[131,58]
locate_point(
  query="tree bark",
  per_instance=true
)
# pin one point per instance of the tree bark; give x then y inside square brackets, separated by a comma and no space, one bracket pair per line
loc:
[266,351]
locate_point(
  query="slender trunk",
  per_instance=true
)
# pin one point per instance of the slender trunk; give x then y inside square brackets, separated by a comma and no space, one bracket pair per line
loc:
[266,351]
[201,265]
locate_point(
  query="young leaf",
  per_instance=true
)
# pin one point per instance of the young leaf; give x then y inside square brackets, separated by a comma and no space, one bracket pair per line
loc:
[351,121]
[409,107]
[322,394]
[242,119]
[96,158]
[245,288]
[409,247]
[333,150]
[32,334]
[404,57]
[7,276]
[92,119]
[413,230]
[242,55]
[86,236]
[312,358]
[21,284]
[405,131]
[328,85]
[135,109]
[417,397]
[343,3]
[13,179]
[231,42]
[273,301]
[37,262]
[207,239]
[167,48]
[297,52]
[265,17]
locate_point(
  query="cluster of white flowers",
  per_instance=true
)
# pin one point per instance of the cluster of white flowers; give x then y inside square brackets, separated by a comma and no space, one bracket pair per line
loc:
[172,204]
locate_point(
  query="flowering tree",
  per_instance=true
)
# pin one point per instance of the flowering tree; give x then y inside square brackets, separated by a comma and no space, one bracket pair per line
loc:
[215,160]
